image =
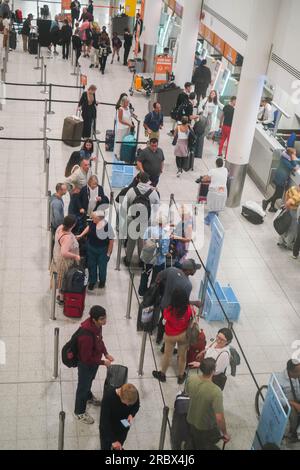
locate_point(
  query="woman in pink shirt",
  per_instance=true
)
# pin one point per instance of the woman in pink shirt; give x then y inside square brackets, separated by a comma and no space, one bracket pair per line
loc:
[177,318]
[65,252]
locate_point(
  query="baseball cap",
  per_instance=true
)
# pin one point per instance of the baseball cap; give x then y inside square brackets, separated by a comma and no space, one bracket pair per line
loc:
[190,265]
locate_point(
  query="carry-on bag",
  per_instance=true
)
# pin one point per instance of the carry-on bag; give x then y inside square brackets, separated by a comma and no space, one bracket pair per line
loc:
[253,212]
[116,376]
[109,140]
[12,39]
[202,192]
[74,304]
[149,309]
[72,131]
[33,44]
[282,221]
[128,148]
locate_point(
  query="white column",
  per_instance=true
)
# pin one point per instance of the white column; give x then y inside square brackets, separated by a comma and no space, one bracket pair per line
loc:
[188,41]
[150,32]
[250,89]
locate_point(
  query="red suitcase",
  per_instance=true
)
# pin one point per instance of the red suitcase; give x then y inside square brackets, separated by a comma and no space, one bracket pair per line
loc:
[202,193]
[195,349]
[74,304]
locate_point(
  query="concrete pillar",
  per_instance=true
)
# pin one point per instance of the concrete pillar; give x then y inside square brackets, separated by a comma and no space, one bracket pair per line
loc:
[150,32]
[250,91]
[188,41]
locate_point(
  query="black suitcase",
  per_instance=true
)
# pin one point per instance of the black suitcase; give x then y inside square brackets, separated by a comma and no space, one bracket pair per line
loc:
[33,45]
[116,376]
[282,222]
[253,213]
[12,39]
[188,162]
[180,427]
[109,140]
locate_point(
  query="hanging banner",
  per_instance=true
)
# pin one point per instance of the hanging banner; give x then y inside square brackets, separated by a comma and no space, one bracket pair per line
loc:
[230,54]
[130,7]
[163,69]
[65,5]
[219,44]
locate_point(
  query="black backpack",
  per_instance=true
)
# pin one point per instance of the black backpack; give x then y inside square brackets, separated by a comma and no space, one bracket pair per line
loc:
[142,199]
[74,280]
[69,353]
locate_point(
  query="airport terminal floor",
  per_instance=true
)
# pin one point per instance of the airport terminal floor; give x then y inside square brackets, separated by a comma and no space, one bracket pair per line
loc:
[264,278]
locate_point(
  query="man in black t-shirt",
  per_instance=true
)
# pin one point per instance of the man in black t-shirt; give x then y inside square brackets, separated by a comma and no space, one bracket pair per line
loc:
[226,124]
[182,98]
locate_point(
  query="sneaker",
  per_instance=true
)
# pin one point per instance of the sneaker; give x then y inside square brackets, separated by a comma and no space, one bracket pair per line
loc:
[159,376]
[91,287]
[264,204]
[292,438]
[96,66]
[273,209]
[85,418]
[181,379]
[295,257]
[101,285]
[118,59]
[171,133]
[91,66]
[93,401]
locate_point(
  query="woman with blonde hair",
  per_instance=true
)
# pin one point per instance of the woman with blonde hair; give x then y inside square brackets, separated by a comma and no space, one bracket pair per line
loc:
[87,106]
[124,124]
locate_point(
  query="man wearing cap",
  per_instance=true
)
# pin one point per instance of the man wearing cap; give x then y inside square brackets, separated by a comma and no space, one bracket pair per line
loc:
[173,278]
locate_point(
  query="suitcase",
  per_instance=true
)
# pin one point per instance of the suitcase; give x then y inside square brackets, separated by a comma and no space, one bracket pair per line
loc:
[116,376]
[188,163]
[109,140]
[33,45]
[74,304]
[203,192]
[12,39]
[253,212]
[128,149]
[72,131]
[197,348]
[180,427]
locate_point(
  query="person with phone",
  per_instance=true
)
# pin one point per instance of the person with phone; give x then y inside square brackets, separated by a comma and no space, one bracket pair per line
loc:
[118,409]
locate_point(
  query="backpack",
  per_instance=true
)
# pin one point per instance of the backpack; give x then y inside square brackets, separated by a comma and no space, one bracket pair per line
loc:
[181,112]
[235,360]
[74,280]
[19,16]
[142,200]
[69,353]
[149,251]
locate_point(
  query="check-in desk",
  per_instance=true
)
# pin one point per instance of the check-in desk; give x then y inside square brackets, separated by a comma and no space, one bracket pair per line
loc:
[264,158]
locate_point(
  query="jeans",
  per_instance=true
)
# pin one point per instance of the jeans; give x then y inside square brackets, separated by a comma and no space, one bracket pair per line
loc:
[97,261]
[147,270]
[131,246]
[86,375]
[154,180]
[210,217]
[103,60]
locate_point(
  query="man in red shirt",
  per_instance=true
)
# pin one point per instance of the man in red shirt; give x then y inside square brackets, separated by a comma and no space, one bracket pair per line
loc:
[91,349]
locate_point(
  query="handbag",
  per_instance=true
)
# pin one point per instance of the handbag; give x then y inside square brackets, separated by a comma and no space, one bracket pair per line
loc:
[220,380]
[282,221]
[174,142]
[193,330]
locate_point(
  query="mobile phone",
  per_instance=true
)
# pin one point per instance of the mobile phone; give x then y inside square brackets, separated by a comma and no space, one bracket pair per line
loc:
[125,423]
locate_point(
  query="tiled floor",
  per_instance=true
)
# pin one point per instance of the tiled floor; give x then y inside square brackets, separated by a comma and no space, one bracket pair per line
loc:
[264,277]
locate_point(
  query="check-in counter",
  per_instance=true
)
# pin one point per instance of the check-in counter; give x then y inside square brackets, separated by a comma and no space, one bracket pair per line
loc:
[264,158]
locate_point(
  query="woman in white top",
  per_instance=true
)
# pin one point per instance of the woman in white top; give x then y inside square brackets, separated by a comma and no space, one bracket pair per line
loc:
[210,106]
[217,193]
[124,124]
[181,138]
[220,351]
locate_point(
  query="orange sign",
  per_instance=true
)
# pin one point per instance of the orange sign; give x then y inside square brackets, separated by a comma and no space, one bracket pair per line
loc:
[219,44]
[209,35]
[163,69]
[65,4]
[202,29]
[230,54]
[64,16]
[83,80]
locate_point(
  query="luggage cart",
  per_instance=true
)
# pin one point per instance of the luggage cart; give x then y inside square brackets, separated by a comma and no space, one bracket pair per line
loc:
[140,83]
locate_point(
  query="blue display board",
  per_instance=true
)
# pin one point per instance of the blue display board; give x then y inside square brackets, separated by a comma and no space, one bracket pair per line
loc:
[215,249]
[274,416]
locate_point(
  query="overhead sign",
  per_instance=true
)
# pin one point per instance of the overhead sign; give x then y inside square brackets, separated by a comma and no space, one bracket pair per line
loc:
[130,7]
[163,69]
[274,416]
[219,44]
[65,5]
[209,35]
[202,29]
[230,54]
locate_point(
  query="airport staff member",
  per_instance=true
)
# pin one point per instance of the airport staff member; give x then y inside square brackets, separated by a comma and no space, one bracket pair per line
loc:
[266,114]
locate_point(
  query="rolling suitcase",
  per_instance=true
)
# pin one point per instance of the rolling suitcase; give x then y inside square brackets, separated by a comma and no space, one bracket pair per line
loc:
[253,213]
[188,163]
[74,304]
[72,131]
[109,140]
[128,149]
[33,44]
[116,376]
[180,427]
[203,192]
[12,39]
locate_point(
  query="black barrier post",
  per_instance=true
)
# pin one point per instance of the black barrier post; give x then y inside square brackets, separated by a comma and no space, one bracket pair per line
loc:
[2,75]
[111,204]
[45,129]
[163,428]
[49,211]
[142,354]
[4,67]
[97,158]
[38,58]
[119,254]
[45,91]
[41,82]
[72,55]
[51,242]
[47,171]
[56,347]
[61,433]
[53,296]
[50,100]
[103,173]
[129,297]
